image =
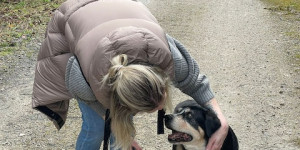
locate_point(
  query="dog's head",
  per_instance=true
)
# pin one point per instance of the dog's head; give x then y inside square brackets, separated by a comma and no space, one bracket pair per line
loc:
[190,123]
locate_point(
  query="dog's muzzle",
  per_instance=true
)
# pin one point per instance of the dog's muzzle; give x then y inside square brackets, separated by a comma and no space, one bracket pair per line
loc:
[176,136]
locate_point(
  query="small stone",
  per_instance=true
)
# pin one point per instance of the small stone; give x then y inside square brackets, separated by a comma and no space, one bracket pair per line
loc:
[280,92]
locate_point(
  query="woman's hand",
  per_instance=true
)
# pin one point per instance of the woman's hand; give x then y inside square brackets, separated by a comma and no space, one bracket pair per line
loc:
[217,139]
[135,146]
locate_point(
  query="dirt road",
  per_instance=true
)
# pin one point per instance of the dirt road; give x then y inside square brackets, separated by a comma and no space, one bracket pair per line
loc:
[239,45]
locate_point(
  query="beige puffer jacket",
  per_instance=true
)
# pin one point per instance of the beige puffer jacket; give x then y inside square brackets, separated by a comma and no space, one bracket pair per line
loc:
[94,31]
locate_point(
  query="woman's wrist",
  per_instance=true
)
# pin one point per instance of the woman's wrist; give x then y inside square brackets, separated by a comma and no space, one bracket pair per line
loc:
[214,106]
[224,124]
[217,139]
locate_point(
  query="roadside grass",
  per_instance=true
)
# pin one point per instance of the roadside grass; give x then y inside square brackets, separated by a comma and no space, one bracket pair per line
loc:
[297,141]
[284,5]
[289,10]
[21,20]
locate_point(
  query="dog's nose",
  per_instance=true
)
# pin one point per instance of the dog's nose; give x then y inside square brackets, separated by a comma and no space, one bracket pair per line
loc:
[168,118]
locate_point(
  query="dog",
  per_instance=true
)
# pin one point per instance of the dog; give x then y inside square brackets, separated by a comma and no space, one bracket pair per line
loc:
[193,125]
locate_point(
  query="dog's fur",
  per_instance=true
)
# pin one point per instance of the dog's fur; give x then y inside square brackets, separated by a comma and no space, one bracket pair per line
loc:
[192,126]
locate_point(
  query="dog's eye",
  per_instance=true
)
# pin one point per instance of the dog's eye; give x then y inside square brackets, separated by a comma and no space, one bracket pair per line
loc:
[189,115]
[179,109]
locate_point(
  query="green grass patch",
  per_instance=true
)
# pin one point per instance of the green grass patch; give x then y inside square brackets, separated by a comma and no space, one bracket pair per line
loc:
[7,51]
[20,20]
[293,34]
[297,56]
[291,11]
[284,5]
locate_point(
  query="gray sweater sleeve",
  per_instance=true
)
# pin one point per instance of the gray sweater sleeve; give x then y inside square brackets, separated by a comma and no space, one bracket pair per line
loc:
[79,88]
[187,74]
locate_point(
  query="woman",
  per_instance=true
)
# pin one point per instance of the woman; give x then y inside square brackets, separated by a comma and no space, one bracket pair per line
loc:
[113,55]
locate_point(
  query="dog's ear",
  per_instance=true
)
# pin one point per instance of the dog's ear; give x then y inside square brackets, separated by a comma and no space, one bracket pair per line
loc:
[212,124]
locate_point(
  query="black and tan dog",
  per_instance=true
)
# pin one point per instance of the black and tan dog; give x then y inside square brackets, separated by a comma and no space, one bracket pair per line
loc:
[192,126]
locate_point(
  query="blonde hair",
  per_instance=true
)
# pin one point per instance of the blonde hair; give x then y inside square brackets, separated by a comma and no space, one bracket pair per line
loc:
[135,88]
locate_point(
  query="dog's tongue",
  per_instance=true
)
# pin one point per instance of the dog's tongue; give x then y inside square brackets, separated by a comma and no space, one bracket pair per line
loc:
[179,137]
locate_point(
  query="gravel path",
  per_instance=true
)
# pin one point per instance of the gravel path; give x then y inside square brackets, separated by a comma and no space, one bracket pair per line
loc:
[243,49]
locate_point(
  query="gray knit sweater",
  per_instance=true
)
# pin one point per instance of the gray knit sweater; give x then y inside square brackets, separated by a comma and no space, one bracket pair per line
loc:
[187,78]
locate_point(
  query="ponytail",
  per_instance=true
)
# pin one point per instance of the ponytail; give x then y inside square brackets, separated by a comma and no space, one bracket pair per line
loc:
[134,88]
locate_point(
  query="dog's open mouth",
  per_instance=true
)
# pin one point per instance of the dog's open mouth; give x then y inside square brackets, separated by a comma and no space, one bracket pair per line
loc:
[179,137]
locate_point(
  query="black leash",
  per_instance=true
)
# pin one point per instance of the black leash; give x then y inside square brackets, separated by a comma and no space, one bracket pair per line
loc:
[107,130]
[160,121]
